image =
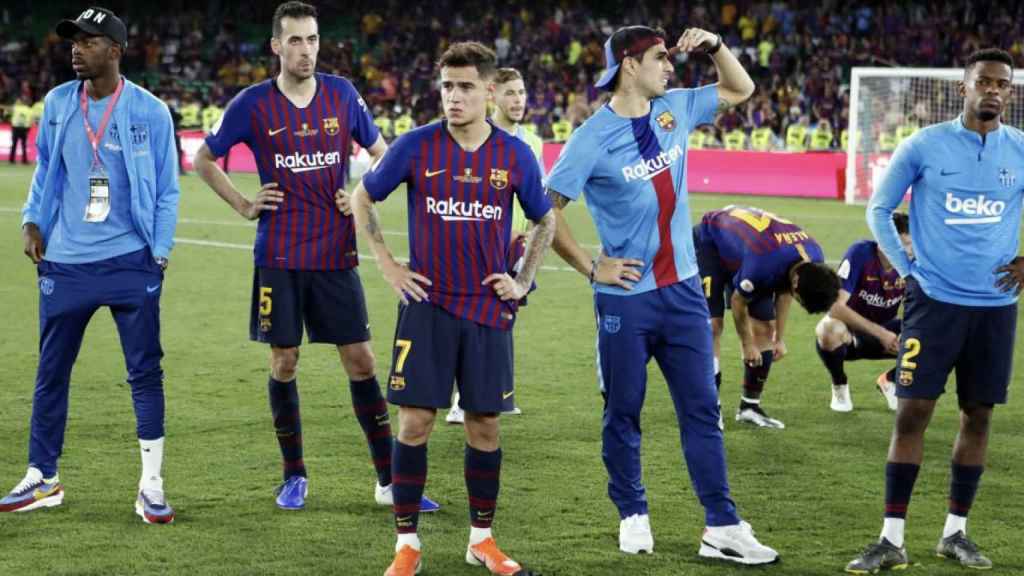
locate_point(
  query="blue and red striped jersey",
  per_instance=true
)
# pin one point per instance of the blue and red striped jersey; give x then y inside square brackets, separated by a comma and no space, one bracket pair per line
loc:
[305,151]
[759,247]
[875,293]
[460,213]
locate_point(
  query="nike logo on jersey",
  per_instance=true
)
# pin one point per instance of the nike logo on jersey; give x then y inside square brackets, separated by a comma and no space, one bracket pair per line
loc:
[276,132]
[945,172]
[429,174]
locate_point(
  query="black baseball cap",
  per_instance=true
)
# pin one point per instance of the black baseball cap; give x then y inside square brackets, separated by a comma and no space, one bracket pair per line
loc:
[95,21]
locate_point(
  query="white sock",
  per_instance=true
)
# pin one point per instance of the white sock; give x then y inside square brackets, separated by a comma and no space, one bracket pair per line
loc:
[478,535]
[892,530]
[718,366]
[152,461]
[954,524]
[411,540]
[750,400]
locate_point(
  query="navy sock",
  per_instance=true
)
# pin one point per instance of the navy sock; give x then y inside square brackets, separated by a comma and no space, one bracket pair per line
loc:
[284,406]
[834,363]
[372,412]
[754,377]
[408,476]
[899,483]
[483,479]
[962,487]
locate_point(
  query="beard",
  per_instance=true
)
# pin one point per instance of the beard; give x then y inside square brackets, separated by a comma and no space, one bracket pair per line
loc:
[987,115]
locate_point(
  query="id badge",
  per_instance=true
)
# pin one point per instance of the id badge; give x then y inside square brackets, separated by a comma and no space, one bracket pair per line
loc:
[98,207]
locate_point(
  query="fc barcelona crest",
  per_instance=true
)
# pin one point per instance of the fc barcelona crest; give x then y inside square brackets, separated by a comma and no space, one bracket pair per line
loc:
[1007,178]
[499,178]
[667,121]
[331,125]
[906,378]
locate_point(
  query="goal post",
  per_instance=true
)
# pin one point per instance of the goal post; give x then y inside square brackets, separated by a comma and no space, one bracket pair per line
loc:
[889,104]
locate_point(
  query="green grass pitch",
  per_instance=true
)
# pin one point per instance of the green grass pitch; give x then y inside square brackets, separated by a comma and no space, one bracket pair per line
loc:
[813,491]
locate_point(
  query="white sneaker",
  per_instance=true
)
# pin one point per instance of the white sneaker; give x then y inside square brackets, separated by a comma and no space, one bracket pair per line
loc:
[735,543]
[754,414]
[888,390]
[635,534]
[515,411]
[841,401]
[383,496]
[455,415]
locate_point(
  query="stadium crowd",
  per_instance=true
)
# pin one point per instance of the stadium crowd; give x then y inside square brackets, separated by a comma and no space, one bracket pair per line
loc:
[798,53]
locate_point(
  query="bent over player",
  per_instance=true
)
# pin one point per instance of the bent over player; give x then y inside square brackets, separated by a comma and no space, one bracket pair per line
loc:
[763,262]
[863,322]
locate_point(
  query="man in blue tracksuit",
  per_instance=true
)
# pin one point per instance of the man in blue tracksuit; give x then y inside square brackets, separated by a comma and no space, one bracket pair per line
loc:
[99,224]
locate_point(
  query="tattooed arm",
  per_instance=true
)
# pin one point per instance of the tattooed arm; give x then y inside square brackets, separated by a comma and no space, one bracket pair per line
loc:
[537,241]
[403,281]
[604,269]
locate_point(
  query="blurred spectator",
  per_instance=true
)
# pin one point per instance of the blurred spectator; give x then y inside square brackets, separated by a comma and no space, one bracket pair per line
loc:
[799,54]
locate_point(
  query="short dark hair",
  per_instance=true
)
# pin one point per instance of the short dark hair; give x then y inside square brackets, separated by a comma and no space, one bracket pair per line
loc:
[292,9]
[461,54]
[817,285]
[902,222]
[988,55]
[625,38]
[507,75]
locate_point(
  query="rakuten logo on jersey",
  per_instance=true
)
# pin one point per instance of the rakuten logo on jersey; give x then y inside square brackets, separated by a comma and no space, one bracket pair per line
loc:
[980,210]
[451,210]
[879,301]
[307,162]
[647,169]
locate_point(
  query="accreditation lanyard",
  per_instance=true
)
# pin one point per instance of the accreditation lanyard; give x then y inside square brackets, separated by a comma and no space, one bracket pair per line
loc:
[98,207]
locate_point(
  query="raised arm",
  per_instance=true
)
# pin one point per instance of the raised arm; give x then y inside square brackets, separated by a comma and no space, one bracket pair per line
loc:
[734,84]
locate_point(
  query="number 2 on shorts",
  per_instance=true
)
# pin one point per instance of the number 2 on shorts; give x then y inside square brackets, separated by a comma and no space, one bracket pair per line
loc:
[911,348]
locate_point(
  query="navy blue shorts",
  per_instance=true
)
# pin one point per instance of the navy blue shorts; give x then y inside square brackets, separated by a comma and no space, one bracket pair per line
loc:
[435,350]
[938,338]
[870,348]
[329,303]
[717,283]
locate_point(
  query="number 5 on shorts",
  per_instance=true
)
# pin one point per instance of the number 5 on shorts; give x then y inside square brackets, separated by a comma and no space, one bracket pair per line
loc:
[266,304]
[403,352]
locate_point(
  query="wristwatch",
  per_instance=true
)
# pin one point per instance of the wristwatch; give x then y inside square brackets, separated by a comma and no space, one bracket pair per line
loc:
[715,47]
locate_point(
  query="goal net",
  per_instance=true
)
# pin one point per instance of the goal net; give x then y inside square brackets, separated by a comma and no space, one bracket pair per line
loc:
[887,105]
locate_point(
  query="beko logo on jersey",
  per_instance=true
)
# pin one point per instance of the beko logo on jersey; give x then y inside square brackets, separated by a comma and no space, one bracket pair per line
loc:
[451,210]
[647,169]
[880,301]
[980,209]
[305,162]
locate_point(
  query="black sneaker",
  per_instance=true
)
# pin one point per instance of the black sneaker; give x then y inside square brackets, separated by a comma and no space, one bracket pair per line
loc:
[754,414]
[881,555]
[959,547]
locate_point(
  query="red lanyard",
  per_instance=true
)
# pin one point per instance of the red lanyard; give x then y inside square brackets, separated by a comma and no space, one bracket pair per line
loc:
[95,137]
